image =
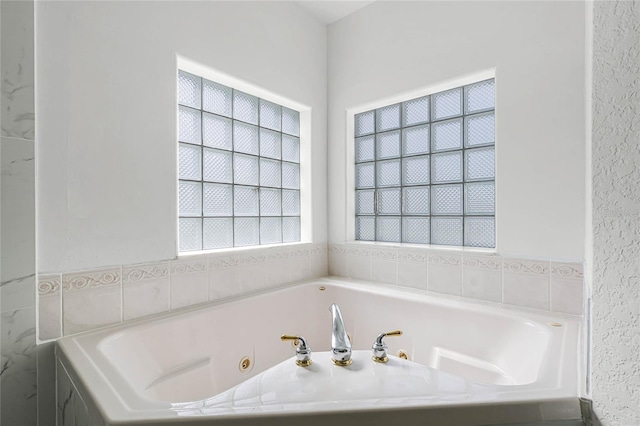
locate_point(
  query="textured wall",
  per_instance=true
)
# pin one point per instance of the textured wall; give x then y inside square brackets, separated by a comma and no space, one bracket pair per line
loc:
[616,212]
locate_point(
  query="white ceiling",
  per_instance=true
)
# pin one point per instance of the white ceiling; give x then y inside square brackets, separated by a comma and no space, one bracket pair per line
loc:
[330,11]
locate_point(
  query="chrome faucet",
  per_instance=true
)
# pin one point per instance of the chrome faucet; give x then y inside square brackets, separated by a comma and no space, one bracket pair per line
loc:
[340,344]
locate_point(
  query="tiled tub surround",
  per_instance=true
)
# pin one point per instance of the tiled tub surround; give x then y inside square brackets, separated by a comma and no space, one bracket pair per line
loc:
[539,284]
[475,364]
[74,302]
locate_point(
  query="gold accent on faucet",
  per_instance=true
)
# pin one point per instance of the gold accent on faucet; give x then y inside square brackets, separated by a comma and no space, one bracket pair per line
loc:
[380,348]
[303,351]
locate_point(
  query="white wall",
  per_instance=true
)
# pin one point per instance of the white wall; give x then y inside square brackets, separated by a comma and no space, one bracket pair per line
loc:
[615,377]
[537,49]
[106,101]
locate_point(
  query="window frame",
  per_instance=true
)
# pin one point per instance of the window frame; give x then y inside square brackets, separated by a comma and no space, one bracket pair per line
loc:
[350,211]
[206,73]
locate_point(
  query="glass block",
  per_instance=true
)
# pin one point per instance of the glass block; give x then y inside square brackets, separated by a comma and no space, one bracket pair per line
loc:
[189,164]
[190,196]
[189,129]
[447,135]
[189,89]
[365,149]
[388,144]
[389,201]
[245,138]
[480,129]
[388,173]
[415,140]
[217,233]
[217,166]
[190,234]
[479,164]
[365,202]
[446,231]
[290,148]
[245,107]
[270,202]
[246,231]
[415,170]
[415,230]
[388,229]
[290,203]
[365,228]
[365,123]
[270,143]
[245,169]
[479,198]
[446,200]
[245,201]
[270,230]
[290,122]
[270,173]
[217,98]
[365,175]
[290,176]
[217,131]
[415,111]
[446,167]
[480,232]
[416,200]
[388,118]
[290,229]
[447,104]
[270,115]
[480,96]
[217,200]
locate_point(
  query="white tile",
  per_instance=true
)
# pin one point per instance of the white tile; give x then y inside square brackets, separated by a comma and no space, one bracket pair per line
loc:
[189,283]
[526,283]
[49,306]
[412,268]
[18,382]
[299,264]
[278,271]
[253,277]
[384,265]
[91,307]
[567,288]
[445,272]
[318,264]
[17,223]
[145,290]
[359,264]
[337,261]
[17,94]
[482,277]
[91,299]
[223,282]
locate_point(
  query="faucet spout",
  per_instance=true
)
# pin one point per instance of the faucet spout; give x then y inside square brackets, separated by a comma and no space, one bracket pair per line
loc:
[340,344]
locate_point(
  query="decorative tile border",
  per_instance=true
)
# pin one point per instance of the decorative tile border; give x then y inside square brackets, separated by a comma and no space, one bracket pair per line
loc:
[180,267]
[492,263]
[567,270]
[91,279]
[524,266]
[142,273]
[445,259]
[417,256]
[49,284]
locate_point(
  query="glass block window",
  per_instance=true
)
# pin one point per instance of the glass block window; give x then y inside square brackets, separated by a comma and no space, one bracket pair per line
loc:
[238,169]
[425,169]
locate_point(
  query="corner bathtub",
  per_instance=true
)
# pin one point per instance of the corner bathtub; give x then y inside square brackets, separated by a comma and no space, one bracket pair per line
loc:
[478,363]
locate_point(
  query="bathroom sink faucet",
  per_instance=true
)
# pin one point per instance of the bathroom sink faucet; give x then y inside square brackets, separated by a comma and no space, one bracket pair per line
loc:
[340,344]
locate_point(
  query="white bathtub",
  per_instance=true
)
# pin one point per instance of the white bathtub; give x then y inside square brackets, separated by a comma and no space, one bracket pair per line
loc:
[486,364]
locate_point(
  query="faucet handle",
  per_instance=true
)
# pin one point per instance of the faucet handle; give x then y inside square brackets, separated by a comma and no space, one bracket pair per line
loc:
[380,348]
[303,351]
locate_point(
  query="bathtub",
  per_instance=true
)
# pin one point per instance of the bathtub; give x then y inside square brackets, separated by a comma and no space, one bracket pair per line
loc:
[224,363]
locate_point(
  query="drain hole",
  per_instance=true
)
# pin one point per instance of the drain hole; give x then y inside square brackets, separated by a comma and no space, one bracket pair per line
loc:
[554,324]
[403,354]
[245,364]
[322,288]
